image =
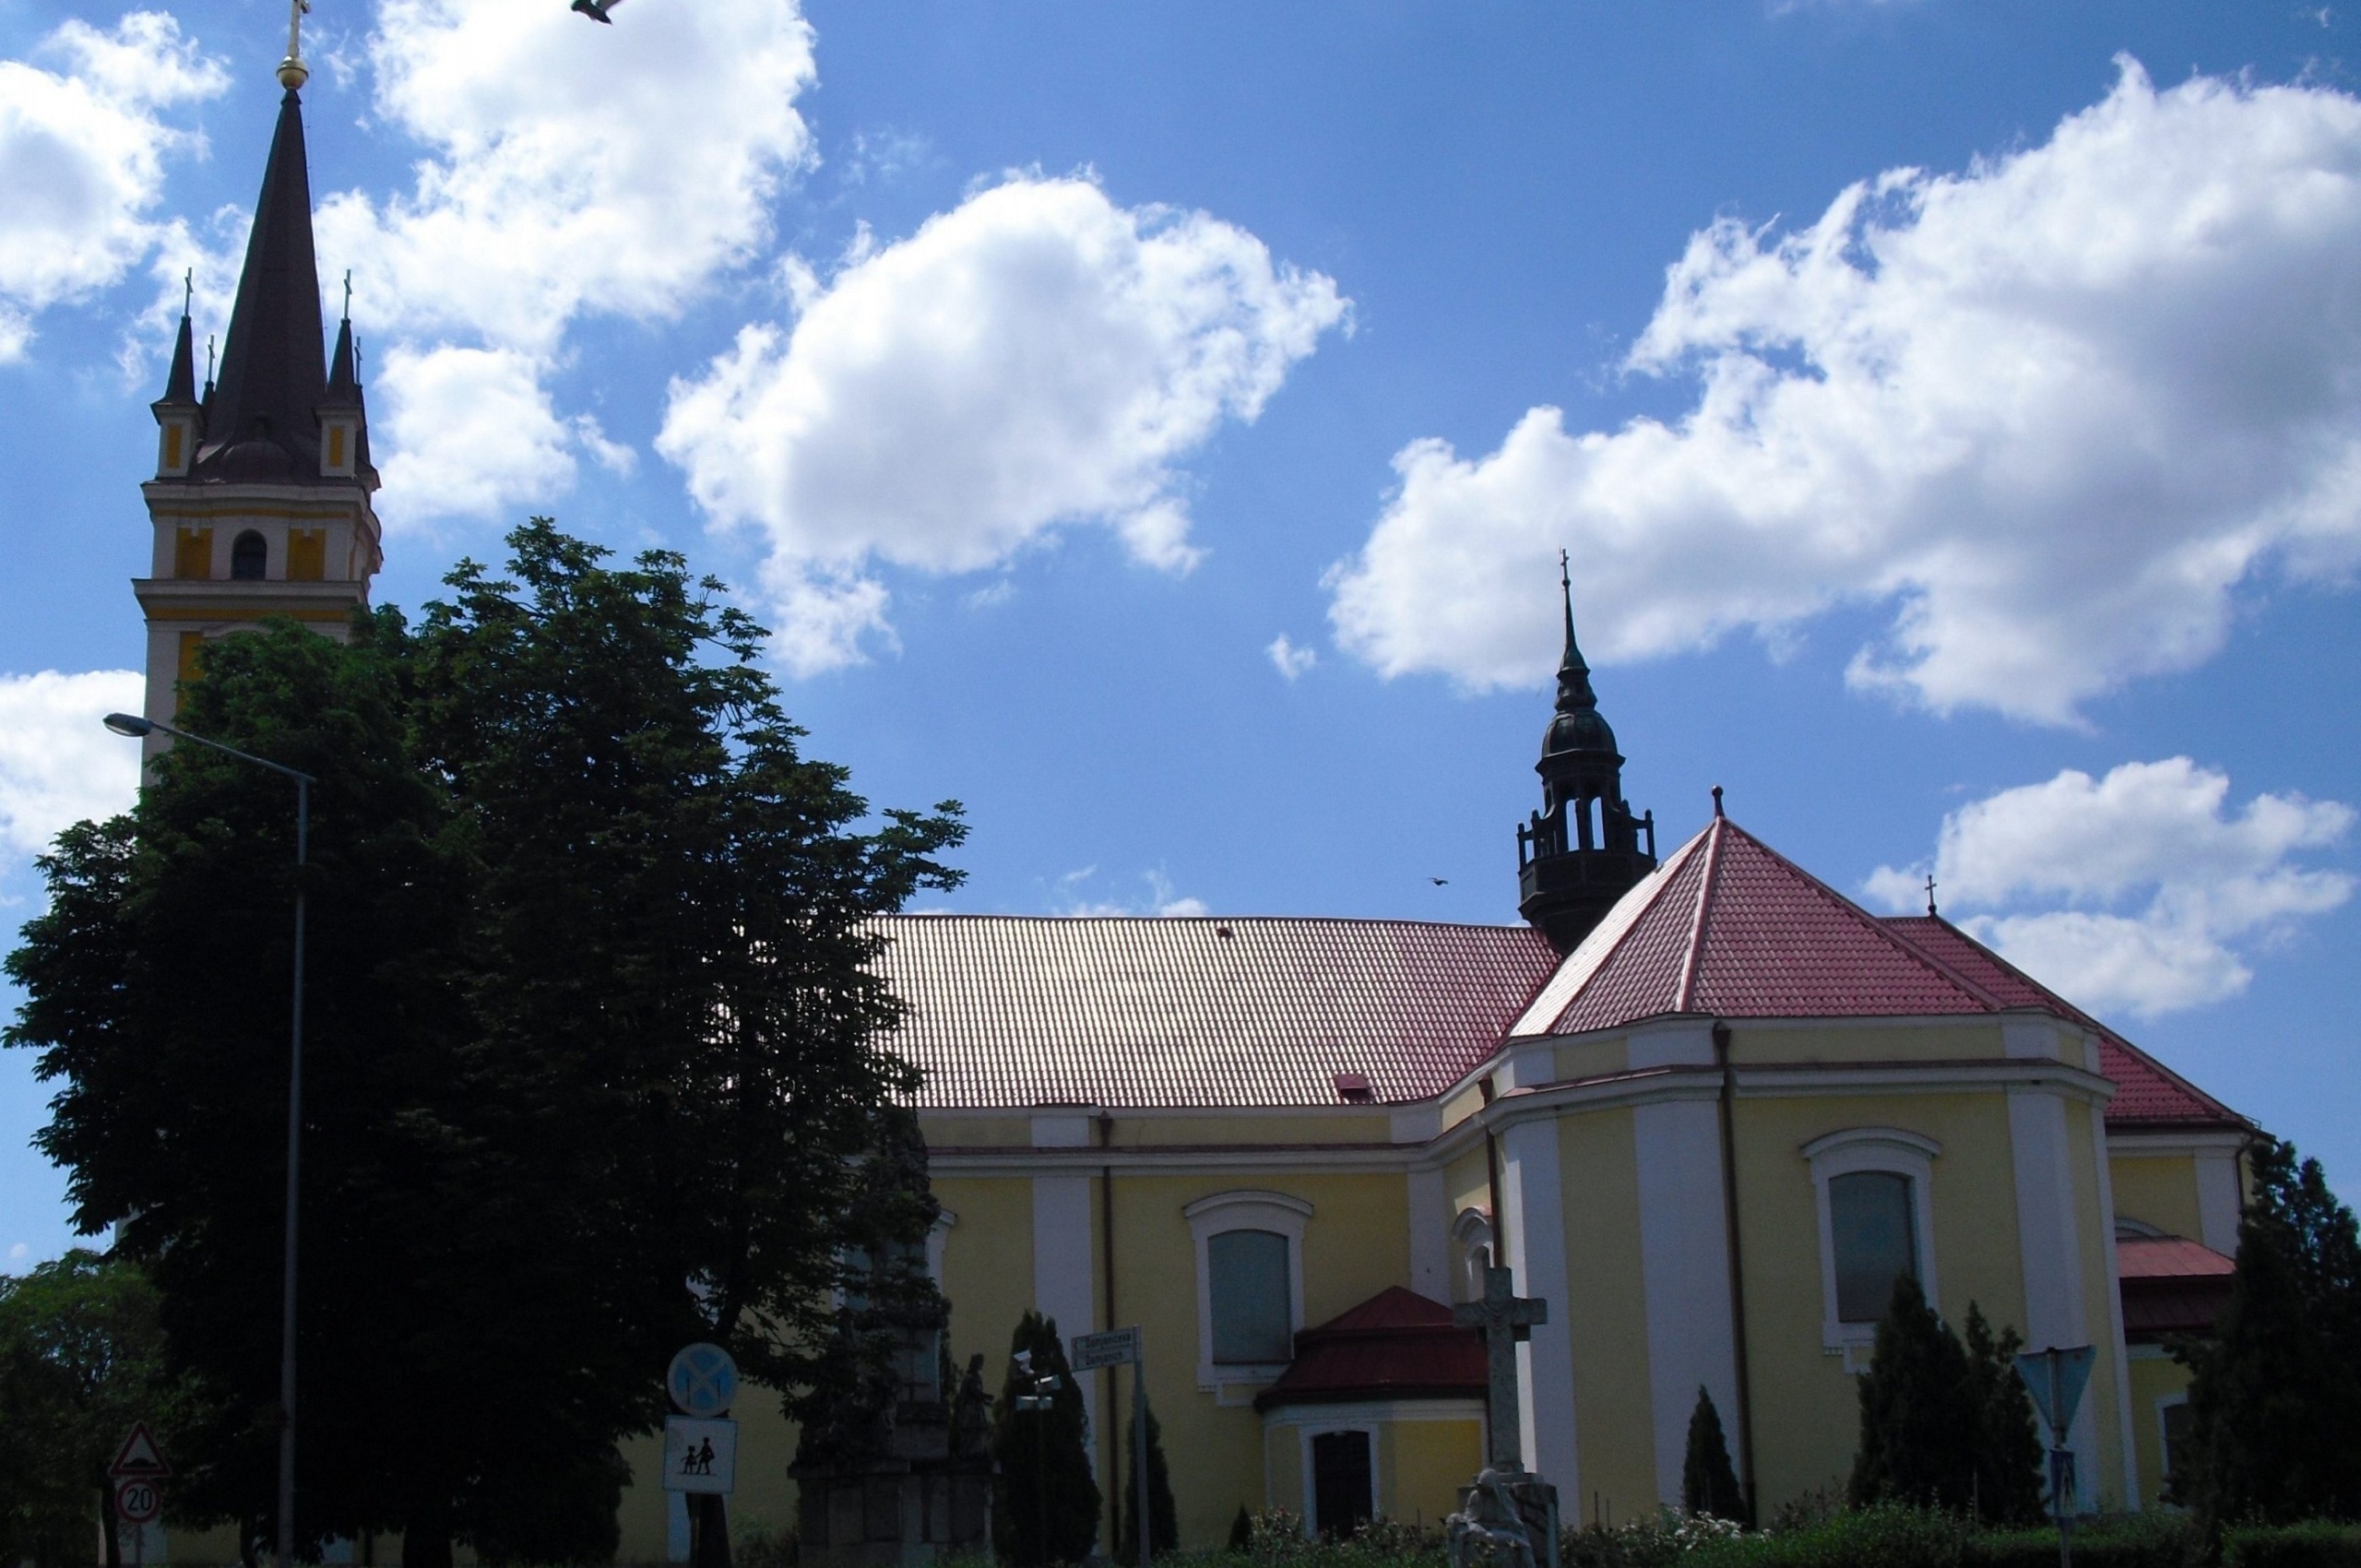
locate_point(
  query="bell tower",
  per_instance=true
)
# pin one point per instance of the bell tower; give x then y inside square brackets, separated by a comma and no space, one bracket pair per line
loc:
[1581,850]
[260,506]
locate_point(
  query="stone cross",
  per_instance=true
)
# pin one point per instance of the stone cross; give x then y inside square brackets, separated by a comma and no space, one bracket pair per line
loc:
[1502,1317]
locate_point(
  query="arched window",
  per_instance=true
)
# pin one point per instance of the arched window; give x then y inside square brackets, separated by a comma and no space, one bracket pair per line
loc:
[1873,1185]
[1870,1231]
[1250,1283]
[249,557]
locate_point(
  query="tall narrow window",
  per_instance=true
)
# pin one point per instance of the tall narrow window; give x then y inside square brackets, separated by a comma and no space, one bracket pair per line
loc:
[1871,1228]
[1343,1498]
[1248,1283]
[249,557]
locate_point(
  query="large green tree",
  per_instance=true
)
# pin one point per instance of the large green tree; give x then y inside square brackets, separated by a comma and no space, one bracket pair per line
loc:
[2275,1402]
[593,1059]
[81,1360]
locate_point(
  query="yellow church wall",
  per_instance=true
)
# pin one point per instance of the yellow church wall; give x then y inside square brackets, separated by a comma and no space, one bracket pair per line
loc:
[1459,1107]
[1468,1181]
[1282,1478]
[2158,1190]
[1595,1058]
[1422,1465]
[2156,1381]
[1155,1132]
[951,1131]
[1607,1315]
[1919,1041]
[987,1266]
[1806,1402]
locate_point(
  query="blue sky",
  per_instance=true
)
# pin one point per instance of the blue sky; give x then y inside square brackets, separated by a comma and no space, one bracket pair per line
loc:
[1155,428]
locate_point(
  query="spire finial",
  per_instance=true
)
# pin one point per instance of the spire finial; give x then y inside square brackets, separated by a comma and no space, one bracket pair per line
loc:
[188,290]
[1930,894]
[348,294]
[1717,801]
[209,364]
[292,72]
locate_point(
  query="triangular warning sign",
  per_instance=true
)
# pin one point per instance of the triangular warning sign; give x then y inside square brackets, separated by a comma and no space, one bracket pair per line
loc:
[140,1455]
[2056,1380]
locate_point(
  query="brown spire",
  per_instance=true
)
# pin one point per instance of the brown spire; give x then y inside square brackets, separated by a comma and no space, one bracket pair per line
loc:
[262,423]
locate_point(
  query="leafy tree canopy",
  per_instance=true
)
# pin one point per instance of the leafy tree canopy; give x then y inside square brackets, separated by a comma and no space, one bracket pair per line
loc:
[592,1064]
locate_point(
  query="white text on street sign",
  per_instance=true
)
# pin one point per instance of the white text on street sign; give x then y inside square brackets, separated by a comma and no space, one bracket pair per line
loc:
[1088,1352]
[700,1455]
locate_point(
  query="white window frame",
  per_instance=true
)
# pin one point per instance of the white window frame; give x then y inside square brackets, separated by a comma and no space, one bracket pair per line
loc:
[1894,1152]
[1311,1480]
[1471,1236]
[1246,1209]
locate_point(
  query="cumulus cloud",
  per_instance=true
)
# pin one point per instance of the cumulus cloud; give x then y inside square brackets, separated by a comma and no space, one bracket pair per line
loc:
[2053,410]
[2136,891]
[471,432]
[1037,357]
[569,170]
[85,148]
[1160,900]
[57,764]
[1291,661]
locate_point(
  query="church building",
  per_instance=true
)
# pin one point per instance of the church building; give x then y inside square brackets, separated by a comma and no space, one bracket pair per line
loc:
[1702,1105]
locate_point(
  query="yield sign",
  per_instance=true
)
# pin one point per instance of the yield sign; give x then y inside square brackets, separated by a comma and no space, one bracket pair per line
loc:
[139,1458]
[2056,1380]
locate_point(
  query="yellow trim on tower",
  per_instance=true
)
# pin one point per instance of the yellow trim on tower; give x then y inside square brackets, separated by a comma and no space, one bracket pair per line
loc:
[190,643]
[173,435]
[193,554]
[306,553]
[336,445]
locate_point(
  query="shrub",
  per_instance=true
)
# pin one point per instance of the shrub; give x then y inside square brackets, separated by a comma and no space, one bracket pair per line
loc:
[2316,1543]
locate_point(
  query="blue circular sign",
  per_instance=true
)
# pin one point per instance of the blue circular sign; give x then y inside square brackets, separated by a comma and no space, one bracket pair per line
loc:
[703,1380]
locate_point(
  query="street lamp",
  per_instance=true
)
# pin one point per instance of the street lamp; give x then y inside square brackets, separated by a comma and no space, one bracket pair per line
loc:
[138,727]
[1039,1402]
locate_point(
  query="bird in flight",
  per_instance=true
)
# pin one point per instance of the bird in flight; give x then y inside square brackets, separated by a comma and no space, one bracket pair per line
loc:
[597,9]
[1440,881]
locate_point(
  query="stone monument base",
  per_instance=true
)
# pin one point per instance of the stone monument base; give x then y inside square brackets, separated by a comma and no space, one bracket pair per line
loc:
[1508,1518]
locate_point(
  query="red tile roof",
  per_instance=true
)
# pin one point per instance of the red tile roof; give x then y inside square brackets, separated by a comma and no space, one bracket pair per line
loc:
[2170,1286]
[1254,1011]
[1396,1344]
[1729,927]
[2147,1093]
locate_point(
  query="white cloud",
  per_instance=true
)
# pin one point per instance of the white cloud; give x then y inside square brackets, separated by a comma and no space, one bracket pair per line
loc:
[1291,660]
[571,171]
[85,151]
[471,432]
[1160,900]
[58,766]
[2054,410]
[2134,891]
[1038,357]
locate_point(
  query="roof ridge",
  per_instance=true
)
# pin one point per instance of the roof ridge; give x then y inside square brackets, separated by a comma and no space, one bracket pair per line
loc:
[1910,949]
[2076,1015]
[1176,920]
[1663,876]
[1698,922]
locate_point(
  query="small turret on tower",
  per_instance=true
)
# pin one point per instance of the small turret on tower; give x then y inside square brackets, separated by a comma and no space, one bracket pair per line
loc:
[1581,850]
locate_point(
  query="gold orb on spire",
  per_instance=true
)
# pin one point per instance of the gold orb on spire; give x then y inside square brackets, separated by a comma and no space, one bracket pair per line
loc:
[292,72]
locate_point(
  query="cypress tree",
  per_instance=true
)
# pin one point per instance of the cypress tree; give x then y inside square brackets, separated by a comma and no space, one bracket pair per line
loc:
[2010,1468]
[1708,1480]
[1045,1504]
[1164,1522]
[2276,1404]
[1920,1419]
[1241,1531]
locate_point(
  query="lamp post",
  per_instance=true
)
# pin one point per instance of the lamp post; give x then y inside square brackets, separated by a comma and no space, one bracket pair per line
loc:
[1039,1402]
[138,727]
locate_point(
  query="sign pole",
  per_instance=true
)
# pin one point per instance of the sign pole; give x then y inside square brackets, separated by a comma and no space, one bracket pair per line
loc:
[1139,1451]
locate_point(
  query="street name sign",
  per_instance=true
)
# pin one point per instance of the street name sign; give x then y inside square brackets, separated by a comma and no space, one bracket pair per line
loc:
[1117,1346]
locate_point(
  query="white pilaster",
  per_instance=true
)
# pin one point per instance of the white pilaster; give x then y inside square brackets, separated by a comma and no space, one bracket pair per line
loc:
[2049,1242]
[2218,1200]
[1684,1271]
[1062,1255]
[2115,1351]
[1429,1236]
[1534,1224]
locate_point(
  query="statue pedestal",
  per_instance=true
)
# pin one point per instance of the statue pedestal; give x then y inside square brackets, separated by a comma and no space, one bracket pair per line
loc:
[1507,1519]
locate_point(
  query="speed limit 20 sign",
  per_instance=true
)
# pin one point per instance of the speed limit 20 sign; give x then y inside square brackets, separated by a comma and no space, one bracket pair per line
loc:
[138,1500]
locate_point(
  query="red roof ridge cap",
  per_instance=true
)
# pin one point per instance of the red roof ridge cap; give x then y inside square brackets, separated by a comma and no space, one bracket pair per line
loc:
[1663,874]
[1698,922]
[1909,948]
[2058,1006]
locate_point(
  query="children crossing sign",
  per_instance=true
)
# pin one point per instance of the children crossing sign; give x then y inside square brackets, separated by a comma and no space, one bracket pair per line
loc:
[700,1455]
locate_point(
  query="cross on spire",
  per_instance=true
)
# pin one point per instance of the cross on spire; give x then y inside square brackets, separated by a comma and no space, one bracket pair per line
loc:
[1502,1317]
[1931,893]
